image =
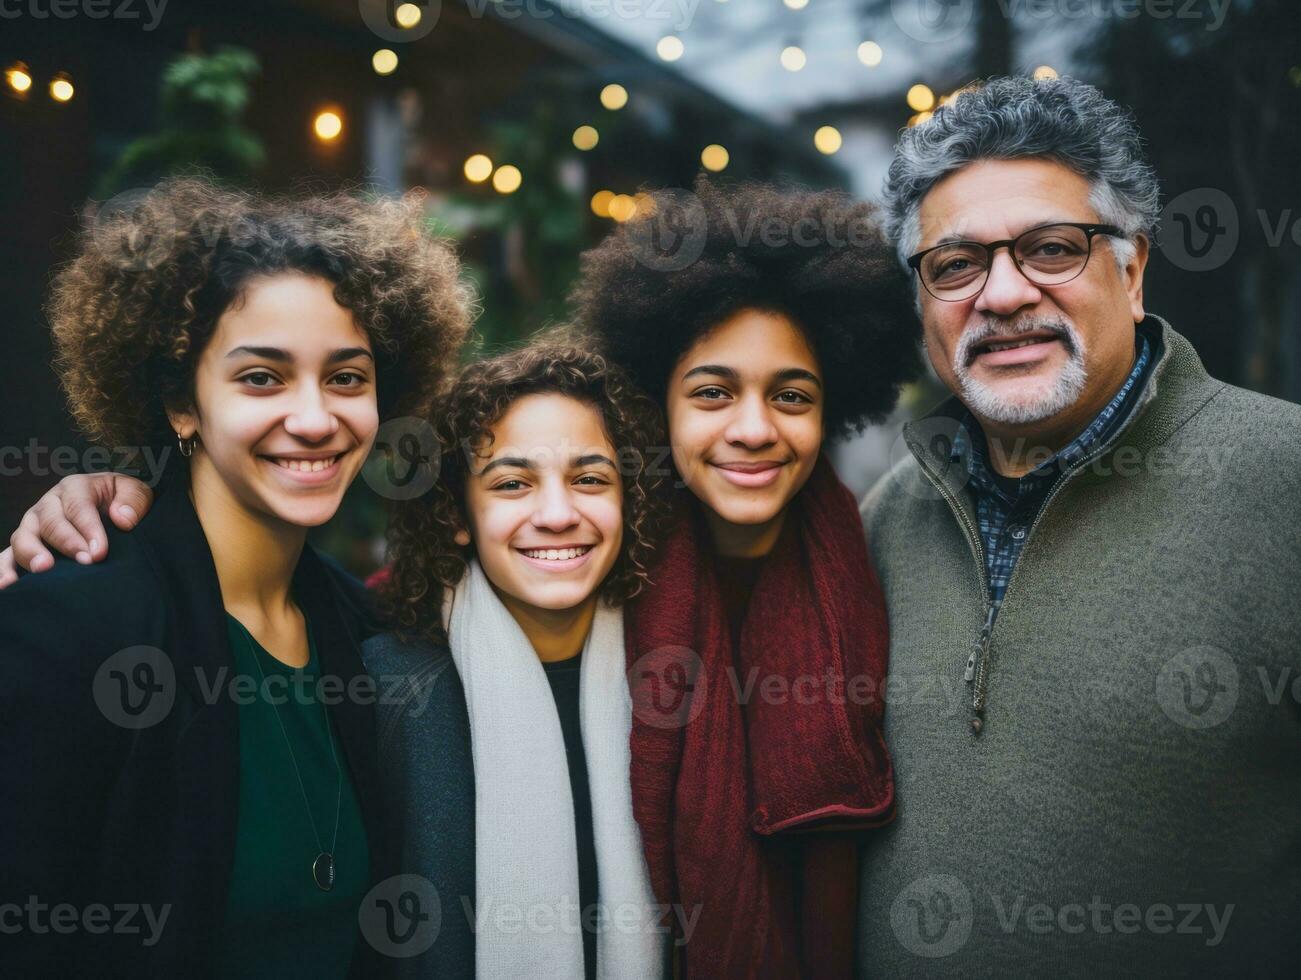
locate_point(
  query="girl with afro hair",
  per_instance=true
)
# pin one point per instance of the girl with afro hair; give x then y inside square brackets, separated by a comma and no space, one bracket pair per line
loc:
[765,322]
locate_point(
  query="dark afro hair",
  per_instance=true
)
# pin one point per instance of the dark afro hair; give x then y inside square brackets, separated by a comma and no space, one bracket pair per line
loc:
[819,258]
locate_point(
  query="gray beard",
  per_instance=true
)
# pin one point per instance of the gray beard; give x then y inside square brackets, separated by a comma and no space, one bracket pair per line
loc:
[989,403]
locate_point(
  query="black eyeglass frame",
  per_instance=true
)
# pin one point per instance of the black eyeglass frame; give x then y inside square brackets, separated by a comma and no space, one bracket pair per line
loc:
[1090,230]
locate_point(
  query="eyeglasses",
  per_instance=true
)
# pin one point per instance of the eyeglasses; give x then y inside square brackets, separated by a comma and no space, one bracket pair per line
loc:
[1047,256]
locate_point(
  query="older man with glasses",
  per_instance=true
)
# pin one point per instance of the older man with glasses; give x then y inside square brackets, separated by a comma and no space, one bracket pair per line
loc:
[1093,568]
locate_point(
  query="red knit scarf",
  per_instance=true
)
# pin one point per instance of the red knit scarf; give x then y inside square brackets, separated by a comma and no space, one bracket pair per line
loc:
[733,751]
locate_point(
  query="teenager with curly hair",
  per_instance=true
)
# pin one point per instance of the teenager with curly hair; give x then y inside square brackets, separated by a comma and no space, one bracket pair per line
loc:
[793,325]
[258,342]
[506,585]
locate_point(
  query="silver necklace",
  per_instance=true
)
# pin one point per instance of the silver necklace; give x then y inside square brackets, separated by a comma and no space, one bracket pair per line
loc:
[323,866]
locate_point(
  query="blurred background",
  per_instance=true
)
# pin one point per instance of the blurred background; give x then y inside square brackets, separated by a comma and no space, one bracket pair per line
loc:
[530,126]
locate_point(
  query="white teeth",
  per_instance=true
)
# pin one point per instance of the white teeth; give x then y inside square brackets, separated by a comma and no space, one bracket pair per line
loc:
[1013,345]
[306,465]
[557,554]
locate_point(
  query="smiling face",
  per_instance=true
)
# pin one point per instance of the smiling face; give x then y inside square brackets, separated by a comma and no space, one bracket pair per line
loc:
[1080,333]
[745,418]
[544,504]
[285,408]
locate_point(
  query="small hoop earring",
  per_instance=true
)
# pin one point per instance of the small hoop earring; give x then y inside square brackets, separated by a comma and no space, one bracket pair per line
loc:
[187,445]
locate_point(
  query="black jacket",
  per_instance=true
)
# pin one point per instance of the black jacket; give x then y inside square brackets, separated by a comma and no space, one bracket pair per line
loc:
[119,769]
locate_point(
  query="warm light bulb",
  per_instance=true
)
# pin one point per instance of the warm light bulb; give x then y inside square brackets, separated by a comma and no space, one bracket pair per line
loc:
[478,168]
[506,179]
[61,89]
[614,96]
[793,58]
[601,203]
[384,61]
[327,125]
[920,98]
[827,139]
[670,48]
[715,157]
[1044,72]
[19,79]
[870,53]
[407,15]
[586,137]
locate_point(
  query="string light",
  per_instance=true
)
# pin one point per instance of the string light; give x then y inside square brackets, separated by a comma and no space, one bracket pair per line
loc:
[870,53]
[670,48]
[622,207]
[506,179]
[793,58]
[827,139]
[601,203]
[478,168]
[18,77]
[61,89]
[327,125]
[614,96]
[384,61]
[715,157]
[407,15]
[920,98]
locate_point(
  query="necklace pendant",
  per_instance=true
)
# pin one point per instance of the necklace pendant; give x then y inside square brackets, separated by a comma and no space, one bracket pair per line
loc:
[323,871]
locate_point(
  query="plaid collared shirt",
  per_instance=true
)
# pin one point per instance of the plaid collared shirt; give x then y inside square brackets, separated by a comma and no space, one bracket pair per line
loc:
[1005,519]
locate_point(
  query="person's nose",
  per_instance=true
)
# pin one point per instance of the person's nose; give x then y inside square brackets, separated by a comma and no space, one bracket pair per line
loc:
[751,424]
[311,420]
[1007,289]
[555,509]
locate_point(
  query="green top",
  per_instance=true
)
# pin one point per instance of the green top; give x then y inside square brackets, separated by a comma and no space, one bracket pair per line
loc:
[279,923]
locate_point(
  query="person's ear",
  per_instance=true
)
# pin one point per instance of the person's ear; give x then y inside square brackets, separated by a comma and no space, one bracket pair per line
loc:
[1134,277]
[461,537]
[184,422]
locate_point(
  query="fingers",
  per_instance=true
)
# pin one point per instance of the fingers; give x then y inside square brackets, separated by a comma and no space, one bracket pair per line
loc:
[78,522]
[131,501]
[8,568]
[26,542]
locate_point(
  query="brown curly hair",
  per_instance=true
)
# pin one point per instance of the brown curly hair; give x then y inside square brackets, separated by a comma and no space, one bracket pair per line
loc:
[424,558]
[818,257]
[132,312]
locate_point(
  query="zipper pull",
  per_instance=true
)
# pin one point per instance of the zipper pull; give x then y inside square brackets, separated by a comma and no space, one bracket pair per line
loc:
[981,649]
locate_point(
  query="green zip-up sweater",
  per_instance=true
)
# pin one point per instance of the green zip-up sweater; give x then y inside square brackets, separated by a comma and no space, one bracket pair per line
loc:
[1129,801]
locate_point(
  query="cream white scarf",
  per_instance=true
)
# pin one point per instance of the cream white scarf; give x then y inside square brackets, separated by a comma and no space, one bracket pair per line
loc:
[526,855]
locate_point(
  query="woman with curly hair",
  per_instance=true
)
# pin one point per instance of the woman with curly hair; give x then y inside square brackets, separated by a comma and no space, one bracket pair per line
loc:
[793,325]
[155,757]
[506,587]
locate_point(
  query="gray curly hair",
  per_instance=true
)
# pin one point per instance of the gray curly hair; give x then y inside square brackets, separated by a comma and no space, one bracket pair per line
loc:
[1061,119]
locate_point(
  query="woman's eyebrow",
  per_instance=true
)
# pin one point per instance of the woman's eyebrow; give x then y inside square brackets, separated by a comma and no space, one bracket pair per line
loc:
[717,369]
[517,461]
[279,354]
[797,374]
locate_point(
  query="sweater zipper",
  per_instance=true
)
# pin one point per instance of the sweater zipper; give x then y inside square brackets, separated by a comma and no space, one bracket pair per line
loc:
[978,659]
[976,672]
